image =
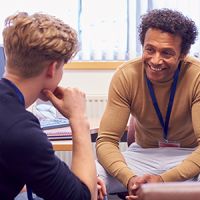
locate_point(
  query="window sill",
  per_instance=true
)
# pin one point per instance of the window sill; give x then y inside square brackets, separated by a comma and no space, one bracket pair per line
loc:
[92,65]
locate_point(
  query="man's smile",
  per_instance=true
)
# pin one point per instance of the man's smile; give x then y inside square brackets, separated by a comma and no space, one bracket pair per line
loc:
[156,69]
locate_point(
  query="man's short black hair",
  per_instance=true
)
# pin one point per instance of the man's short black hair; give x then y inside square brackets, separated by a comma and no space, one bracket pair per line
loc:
[170,21]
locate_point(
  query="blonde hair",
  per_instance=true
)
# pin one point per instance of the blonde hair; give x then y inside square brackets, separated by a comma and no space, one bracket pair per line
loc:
[31,41]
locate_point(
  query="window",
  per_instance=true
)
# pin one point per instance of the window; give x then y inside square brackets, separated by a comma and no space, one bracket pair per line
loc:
[107,29]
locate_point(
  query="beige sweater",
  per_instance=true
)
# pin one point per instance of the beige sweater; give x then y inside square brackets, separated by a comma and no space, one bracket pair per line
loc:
[128,93]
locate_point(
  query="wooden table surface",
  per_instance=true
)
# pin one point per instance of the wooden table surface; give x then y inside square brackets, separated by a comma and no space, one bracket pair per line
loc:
[66,145]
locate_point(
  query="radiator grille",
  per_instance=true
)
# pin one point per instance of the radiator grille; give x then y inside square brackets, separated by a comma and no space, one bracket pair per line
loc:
[95,106]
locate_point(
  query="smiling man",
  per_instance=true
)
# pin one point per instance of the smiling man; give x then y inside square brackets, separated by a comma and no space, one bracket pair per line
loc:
[162,91]
[161,54]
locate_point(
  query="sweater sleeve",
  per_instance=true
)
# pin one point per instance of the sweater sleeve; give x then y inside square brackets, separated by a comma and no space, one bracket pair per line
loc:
[188,169]
[112,128]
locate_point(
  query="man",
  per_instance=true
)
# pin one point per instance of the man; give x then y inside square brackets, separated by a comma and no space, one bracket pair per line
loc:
[36,47]
[166,76]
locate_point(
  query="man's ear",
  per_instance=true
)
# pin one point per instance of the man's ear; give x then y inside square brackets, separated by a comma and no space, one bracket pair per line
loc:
[51,69]
[182,56]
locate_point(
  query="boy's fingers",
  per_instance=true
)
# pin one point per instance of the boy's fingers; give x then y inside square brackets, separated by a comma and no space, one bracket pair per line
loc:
[51,97]
[47,93]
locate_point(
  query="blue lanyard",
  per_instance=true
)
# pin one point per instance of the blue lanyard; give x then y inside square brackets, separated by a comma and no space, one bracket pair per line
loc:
[22,102]
[29,193]
[170,104]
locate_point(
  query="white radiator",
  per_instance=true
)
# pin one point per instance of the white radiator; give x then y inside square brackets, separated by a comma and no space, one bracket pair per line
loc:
[95,105]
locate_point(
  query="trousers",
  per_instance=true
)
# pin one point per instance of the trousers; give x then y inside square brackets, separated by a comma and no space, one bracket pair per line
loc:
[145,161]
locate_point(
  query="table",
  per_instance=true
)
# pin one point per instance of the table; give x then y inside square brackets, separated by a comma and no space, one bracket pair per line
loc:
[62,145]
[66,145]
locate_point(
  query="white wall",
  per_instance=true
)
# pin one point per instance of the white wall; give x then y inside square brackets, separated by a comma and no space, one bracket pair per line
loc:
[92,82]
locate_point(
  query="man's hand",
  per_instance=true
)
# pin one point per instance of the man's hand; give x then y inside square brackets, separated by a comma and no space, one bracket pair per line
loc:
[152,178]
[135,182]
[133,185]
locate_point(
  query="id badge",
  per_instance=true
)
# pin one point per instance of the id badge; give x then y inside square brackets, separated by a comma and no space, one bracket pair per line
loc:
[167,143]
